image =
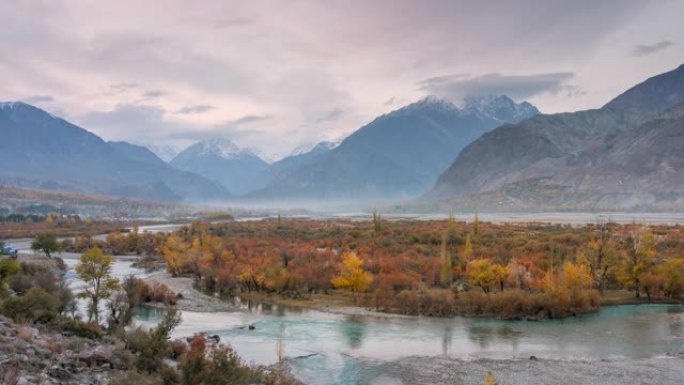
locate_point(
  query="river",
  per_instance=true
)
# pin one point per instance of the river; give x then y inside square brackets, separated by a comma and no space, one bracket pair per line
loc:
[326,348]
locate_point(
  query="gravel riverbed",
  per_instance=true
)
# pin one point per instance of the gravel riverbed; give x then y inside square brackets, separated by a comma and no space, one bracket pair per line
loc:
[666,370]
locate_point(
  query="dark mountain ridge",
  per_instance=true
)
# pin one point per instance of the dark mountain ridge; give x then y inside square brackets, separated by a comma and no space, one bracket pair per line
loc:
[583,159]
[397,155]
[40,150]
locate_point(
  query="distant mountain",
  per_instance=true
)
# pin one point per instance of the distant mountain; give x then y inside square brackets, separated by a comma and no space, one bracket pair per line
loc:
[164,152]
[624,155]
[313,148]
[399,154]
[223,161]
[300,157]
[39,150]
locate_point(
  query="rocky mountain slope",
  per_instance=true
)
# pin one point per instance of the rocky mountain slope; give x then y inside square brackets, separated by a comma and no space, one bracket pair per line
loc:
[39,150]
[623,155]
[223,161]
[397,155]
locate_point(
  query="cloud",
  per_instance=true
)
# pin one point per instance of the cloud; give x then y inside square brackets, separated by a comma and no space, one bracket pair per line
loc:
[196,109]
[232,22]
[142,122]
[38,99]
[518,87]
[302,62]
[123,87]
[332,115]
[647,49]
[248,119]
[151,94]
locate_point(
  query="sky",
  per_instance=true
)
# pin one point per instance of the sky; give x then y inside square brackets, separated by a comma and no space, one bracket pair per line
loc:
[273,75]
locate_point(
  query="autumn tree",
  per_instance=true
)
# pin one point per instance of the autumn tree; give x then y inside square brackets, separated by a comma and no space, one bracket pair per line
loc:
[46,243]
[575,278]
[602,256]
[94,269]
[352,277]
[451,226]
[446,274]
[640,252]
[672,272]
[489,379]
[476,225]
[500,273]
[468,248]
[482,273]
[651,284]
[377,222]
[175,252]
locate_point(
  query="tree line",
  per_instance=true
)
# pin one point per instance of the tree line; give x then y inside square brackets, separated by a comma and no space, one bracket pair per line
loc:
[435,267]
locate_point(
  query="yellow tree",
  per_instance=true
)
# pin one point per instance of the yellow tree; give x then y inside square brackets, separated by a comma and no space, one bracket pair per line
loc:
[481,273]
[352,276]
[601,256]
[94,268]
[500,274]
[639,257]
[575,279]
[489,380]
[672,272]
[175,252]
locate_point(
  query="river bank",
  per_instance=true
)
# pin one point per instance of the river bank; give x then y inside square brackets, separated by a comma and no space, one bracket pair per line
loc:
[666,370]
[338,303]
[375,347]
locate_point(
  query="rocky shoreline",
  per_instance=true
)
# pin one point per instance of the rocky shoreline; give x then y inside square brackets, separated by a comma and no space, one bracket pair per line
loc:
[35,355]
[666,370]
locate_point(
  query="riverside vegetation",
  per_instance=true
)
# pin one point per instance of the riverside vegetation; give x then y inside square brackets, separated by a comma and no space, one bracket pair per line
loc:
[434,268]
[43,338]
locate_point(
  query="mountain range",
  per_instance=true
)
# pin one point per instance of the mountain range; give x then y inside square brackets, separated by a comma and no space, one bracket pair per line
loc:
[629,155]
[486,154]
[397,155]
[221,160]
[40,150]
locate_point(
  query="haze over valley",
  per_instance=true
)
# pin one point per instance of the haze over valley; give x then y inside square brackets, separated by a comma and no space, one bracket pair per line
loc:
[313,192]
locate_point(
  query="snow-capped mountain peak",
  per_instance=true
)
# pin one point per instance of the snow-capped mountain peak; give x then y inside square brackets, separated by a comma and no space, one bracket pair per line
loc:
[223,148]
[314,147]
[499,107]
[164,152]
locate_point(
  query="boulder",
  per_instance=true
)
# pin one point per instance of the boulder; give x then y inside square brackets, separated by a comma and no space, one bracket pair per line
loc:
[99,355]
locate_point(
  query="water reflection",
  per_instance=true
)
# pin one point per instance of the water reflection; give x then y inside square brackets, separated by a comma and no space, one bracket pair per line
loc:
[353,330]
[324,348]
[486,336]
[446,339]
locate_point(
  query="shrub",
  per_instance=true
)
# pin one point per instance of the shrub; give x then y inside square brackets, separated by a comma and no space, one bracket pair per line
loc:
[8,268]
[30,276]
[35,306]
[142,292]
[80,328]
[218,365]
[152,346]
[132,377]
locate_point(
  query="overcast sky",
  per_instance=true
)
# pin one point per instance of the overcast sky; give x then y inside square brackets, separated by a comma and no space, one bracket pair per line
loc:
[275,74]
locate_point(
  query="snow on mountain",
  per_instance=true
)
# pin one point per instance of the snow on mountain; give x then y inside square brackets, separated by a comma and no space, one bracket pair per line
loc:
[222,160]
[500,108]
[164,152]
[314,147]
